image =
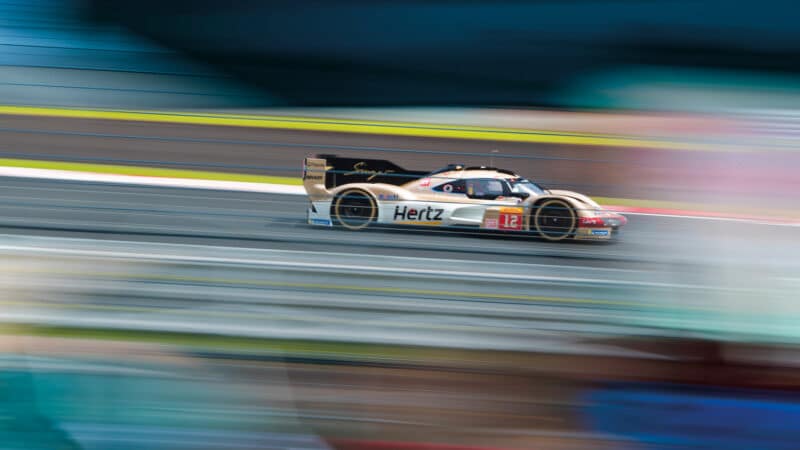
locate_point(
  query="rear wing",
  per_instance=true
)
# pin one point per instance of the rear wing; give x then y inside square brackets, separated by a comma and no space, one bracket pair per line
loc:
[330,171]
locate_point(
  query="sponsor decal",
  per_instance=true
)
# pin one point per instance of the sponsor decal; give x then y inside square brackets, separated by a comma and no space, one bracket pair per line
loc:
[362,169]
[324,222]
[313,177]
[425,182]
[388,197]
[510,221]
[599,232]
[413,214]
[491,223]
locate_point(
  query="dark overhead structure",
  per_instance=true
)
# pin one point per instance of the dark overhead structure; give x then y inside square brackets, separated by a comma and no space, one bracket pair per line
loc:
[389,52]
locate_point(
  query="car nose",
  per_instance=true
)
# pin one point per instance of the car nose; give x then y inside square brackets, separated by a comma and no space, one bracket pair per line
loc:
[615,220]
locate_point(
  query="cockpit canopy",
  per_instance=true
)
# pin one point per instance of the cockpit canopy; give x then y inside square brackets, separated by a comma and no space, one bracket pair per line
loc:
[489,188]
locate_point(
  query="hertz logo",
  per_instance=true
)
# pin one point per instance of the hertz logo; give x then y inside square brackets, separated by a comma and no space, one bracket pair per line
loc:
[427,214]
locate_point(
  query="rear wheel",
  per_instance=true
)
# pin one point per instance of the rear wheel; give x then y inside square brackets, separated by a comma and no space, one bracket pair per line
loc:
[354,209]
[554,220]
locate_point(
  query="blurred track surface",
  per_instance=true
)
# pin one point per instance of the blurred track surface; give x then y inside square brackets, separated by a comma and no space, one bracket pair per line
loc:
[238,263]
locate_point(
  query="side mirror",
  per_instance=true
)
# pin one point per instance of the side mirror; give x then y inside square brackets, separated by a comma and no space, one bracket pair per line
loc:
[522,195]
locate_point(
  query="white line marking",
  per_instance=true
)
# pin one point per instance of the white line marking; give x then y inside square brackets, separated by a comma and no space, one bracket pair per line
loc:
[67,175]
[47,242]
[719,219]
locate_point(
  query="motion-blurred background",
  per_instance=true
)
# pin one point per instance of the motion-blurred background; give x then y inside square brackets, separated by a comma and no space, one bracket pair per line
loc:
[155,296]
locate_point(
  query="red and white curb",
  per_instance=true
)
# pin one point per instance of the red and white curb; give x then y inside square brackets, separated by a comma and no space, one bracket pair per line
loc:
[268,188]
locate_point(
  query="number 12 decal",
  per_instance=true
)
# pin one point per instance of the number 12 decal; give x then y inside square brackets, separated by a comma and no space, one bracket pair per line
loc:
[510,221]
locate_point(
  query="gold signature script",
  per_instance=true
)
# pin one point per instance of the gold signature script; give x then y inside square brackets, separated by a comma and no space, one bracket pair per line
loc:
[362,169]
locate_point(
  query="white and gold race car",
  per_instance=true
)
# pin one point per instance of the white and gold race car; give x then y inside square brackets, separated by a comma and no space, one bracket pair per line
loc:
[357,193]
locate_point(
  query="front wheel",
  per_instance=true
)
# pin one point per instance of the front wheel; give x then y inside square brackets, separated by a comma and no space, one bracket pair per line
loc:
[354,209]
[554,220]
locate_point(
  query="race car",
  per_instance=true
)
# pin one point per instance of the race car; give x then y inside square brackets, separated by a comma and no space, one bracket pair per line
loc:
[356,193]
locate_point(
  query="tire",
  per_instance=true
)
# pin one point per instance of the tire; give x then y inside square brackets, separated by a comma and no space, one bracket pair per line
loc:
[554,220]
[354,209]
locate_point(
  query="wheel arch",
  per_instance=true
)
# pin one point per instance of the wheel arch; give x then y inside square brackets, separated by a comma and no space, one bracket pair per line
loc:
[569,200]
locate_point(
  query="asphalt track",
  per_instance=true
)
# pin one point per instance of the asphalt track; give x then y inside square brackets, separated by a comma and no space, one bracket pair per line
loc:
[99,210]
[242,263]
